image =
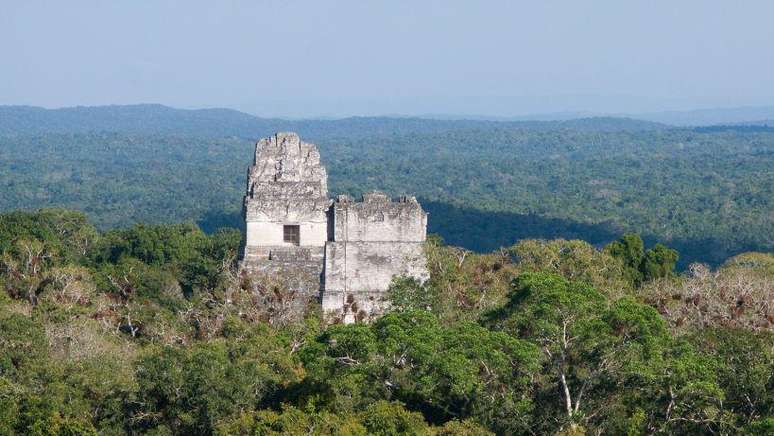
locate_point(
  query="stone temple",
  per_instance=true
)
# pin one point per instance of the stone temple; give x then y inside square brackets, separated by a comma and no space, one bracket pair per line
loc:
[343,252]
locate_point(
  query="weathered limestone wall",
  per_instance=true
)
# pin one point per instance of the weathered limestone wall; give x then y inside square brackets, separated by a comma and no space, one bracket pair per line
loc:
[378,219]
[263,233]
[374,241]
[286,185]
[357,274]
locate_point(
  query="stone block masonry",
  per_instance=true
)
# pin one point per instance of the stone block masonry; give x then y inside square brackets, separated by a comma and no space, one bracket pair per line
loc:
[285,209]
[373,241]
[344,252]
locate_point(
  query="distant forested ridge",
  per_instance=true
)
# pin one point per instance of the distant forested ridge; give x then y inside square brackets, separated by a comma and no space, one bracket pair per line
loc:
[708,192]
[159,119]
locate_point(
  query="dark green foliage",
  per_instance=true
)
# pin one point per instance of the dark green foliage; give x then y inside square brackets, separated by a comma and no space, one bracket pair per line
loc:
[379,418]
[631,250]
[67,234]
[35,394]
[591,347]
[385,419]
[745,373]
[446,373]
[184,249]
[189,390]
[642,265]
[659,262]
[22,345]
[147,330]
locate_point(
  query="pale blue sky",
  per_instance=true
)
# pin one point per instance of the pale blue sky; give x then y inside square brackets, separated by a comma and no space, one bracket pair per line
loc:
[329,58]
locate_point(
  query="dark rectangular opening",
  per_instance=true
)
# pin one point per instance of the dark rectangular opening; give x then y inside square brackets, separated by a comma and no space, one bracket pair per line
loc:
[291,234]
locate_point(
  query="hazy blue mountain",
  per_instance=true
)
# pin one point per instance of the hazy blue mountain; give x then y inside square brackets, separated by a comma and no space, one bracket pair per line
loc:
[704,117]
[144,118]
[159,119]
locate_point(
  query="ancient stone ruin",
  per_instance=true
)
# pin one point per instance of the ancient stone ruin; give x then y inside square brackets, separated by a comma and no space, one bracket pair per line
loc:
[343,252]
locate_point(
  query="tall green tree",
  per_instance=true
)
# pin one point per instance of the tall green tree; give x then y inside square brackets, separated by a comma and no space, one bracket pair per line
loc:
[642,265]
[446,373]
[586,342]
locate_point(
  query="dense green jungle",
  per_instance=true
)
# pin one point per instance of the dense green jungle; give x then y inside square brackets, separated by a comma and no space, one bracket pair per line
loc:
[150,330]
[706,191]
[598,276]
